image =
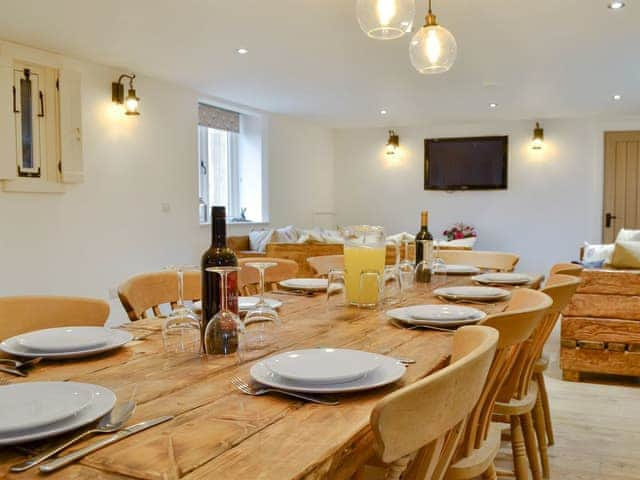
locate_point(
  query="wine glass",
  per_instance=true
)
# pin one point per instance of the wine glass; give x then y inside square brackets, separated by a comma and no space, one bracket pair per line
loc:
[262,323]
[221,336]
[406,267]
[181,330]
[423,268]
[438,263]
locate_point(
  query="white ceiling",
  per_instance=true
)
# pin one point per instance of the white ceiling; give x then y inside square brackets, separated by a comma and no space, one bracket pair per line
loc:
[543,58]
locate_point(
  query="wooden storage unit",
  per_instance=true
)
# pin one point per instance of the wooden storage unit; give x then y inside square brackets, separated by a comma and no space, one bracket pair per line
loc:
[601,325]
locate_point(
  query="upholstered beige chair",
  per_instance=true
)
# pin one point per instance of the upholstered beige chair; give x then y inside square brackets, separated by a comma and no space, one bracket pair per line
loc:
[27,313]
[518,399]
[143,294]
[416,429]
[323,264]
[498,261]
[481,441]
[249,277]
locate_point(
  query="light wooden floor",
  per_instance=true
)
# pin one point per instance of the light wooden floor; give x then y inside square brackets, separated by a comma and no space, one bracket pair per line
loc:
[596,425]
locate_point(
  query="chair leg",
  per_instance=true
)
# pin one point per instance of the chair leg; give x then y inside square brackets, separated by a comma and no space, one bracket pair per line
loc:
[517,447]
[538,420]
[530,445]
[544,397]
[490,474]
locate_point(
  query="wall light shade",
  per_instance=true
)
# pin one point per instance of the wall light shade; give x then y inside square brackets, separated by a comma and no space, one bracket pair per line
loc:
[385,19]
[131,102]
[393,143]
[433,49]
[538,137]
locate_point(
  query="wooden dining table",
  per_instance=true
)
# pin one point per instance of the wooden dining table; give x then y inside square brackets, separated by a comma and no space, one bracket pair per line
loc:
[219,433]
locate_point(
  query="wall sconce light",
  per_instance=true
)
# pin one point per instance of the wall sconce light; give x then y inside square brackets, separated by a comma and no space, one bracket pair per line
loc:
[538,137]
[393,143]
[131,102]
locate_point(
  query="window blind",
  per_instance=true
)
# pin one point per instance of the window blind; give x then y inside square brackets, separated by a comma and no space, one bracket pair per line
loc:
[218,118]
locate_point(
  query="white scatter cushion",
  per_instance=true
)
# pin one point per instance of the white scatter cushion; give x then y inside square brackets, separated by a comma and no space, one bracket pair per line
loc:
[258,239]
[628,235]
[288,234]
[311,236]
[597,253]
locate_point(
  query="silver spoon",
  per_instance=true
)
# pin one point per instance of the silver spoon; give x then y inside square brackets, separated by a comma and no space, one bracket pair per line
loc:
[112,421]
[19,364]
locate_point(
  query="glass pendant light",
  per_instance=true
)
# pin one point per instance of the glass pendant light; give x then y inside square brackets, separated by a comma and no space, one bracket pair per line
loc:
[385,19]
[433,48]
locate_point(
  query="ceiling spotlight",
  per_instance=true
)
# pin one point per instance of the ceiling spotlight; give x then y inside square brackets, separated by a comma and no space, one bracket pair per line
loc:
[493,105]
[383,112]
[616,4]
[617,97]
[242,51]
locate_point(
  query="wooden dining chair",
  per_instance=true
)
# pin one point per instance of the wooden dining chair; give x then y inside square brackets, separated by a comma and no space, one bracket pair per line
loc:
[323,264]
[27,313]
[560,288]
[416,429]
[566,269]
[481,441]
[497,261]
[518,399]
[142,295]
[249,277]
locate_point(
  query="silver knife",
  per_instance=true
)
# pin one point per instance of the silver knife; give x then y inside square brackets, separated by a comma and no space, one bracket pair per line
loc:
[124,433]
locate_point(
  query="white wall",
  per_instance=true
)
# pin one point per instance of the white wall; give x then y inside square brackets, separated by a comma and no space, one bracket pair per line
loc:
[552,205]
[95,235]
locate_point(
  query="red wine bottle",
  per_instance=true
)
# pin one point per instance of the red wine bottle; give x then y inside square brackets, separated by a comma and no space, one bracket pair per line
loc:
[424,242]
[218,255]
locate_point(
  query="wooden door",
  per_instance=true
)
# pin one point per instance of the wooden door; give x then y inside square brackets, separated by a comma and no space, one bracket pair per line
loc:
[621,183]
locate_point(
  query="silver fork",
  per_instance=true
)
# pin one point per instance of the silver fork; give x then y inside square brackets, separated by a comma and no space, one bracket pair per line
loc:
[421,327]
[20,364]
[249,390]
[462,300]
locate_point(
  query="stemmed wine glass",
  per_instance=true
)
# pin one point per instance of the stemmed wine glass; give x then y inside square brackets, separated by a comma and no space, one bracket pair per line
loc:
[221,337]
[406,267]
[262,322]
[181,329]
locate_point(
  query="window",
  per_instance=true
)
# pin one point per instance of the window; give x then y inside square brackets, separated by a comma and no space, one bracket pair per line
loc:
[230,164]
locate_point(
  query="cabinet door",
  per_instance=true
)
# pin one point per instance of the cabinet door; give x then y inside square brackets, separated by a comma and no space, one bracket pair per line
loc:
[8,154]
[71,127]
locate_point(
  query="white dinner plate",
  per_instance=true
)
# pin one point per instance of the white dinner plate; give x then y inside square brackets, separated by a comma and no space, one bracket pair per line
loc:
[458,269]
[486,294]
[389,371]
[503,278]
[114,338]
[65,339]
[31,405]
[437,315]
[101,402]
[248,303]
[323,365]
[305,283]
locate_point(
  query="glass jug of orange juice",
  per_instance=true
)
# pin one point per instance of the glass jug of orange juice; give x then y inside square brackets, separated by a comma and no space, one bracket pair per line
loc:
[364,259]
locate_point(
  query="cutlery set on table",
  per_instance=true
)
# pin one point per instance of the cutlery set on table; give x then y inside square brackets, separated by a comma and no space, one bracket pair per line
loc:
[40,410]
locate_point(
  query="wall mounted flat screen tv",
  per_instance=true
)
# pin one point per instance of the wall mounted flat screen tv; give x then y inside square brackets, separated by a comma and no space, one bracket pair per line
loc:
[473,163]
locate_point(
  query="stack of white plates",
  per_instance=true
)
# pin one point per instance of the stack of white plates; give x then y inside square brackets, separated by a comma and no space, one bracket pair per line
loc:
[477,294]
[503,278]
[327,370]
[31,411]
[65,342]
[453,269]
[244,304]
[437,315]
[310,284]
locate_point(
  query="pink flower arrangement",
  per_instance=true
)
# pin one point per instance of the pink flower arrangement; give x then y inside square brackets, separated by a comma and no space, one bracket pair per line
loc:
[459,231]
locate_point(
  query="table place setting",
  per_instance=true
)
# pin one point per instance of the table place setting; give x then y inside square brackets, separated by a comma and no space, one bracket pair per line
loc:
[473,294]
[503,278]
[440,316]
[65,342]
[454,269]
[245,304]
[302,286]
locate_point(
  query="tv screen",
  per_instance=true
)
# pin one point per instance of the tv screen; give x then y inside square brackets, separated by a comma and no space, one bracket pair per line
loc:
[474,163]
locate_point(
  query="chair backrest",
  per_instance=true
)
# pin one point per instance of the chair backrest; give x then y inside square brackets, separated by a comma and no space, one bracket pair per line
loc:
[27,313]
[148,291]
[249,277]
[498,261]
[322,265]
[515,326]
[423,421]
[566,269]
